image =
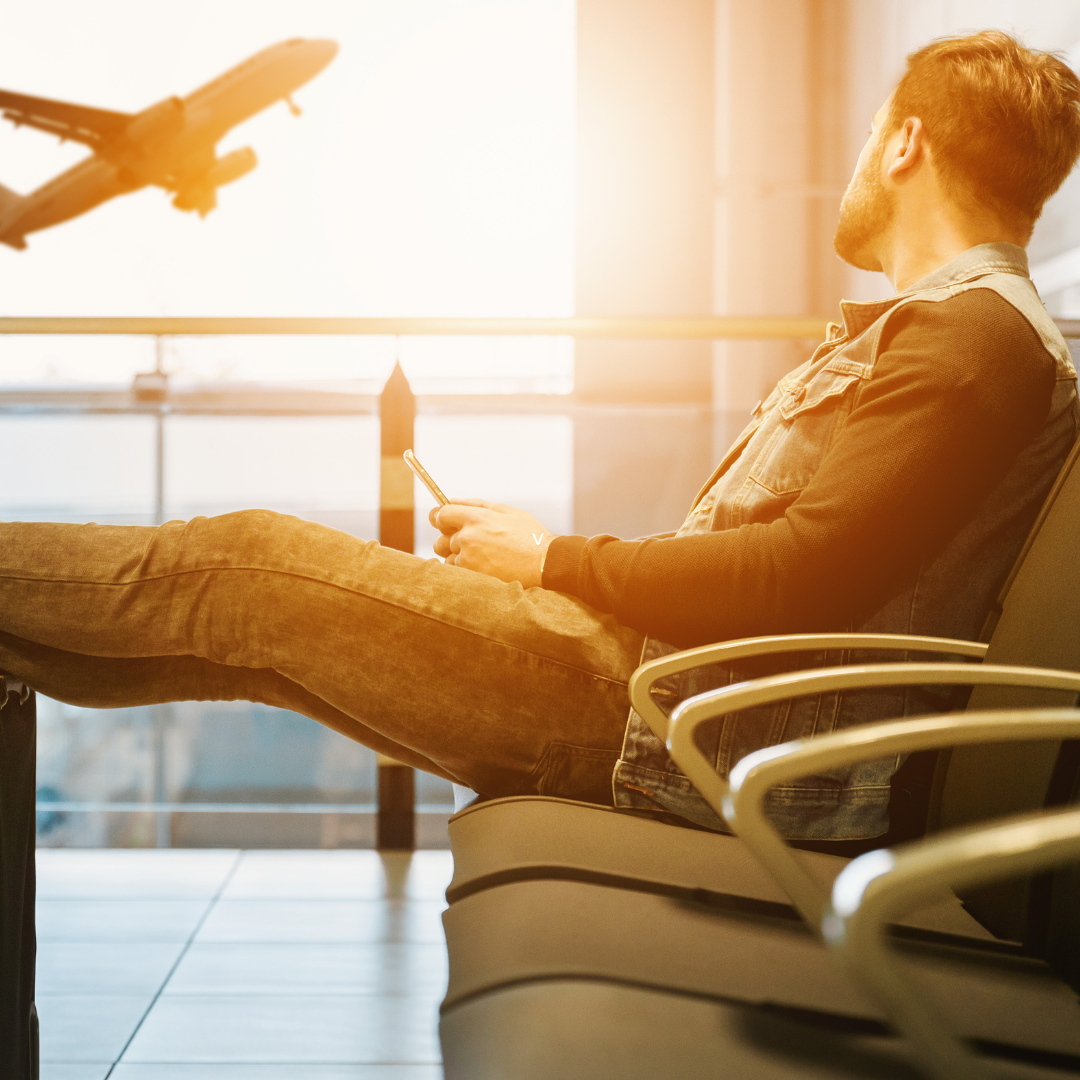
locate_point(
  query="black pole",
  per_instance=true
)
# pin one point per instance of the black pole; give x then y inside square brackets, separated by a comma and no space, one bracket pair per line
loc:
[397,412]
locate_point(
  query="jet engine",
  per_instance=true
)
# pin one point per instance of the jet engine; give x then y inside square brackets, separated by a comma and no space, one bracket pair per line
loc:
[200,198]
[201,192]
[158,122]
[231,167]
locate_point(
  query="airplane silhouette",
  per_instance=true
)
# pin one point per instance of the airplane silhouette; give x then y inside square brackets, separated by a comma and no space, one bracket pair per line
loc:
[171,144]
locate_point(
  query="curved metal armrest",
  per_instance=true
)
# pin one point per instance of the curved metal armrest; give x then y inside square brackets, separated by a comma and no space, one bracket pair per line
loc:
[877,888]
[757,772]
[650,673]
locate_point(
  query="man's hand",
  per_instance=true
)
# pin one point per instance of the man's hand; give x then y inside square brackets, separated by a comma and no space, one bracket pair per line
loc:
[494,539]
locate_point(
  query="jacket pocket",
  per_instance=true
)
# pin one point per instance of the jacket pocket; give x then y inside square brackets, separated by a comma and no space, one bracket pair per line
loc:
[809,413]
[583,773]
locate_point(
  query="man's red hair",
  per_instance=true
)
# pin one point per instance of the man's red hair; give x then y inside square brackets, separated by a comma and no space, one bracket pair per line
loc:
[1002,121]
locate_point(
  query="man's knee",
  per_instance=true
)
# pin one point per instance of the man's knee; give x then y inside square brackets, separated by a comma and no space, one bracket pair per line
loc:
[250,532]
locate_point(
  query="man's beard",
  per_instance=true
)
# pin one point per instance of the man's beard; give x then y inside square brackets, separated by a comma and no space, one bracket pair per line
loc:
[866,213]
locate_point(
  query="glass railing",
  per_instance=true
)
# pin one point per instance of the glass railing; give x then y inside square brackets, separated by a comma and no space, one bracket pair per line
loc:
[189,416]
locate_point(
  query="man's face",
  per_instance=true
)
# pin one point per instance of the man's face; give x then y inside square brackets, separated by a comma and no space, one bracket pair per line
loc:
[867,209]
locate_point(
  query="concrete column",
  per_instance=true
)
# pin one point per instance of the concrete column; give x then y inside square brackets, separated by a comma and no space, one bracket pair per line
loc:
[644,247]
[780,173]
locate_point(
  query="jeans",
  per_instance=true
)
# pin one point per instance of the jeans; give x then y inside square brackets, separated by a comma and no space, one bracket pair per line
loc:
[504,689]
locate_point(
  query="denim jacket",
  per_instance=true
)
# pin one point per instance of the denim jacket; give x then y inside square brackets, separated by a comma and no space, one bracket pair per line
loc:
[781,455]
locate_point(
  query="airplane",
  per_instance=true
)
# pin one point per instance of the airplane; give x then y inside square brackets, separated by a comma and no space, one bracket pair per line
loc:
[170,144]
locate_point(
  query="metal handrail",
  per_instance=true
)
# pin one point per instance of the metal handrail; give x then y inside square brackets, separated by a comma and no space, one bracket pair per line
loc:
[106,806]
[703,327]
[248,398]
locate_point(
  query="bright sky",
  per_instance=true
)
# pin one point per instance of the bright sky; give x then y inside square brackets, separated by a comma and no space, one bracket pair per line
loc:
[430,174]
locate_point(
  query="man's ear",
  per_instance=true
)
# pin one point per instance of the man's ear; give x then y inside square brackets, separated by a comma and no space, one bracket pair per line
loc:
[907,148]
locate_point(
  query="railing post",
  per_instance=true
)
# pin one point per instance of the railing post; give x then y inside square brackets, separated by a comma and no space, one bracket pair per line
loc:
[159,421]
[162,713]
[397,412]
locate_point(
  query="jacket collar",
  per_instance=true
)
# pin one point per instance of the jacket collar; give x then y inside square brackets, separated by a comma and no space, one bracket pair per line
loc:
[975,262]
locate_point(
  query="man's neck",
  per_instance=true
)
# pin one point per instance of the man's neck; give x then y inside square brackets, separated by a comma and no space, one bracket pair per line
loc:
[930,238]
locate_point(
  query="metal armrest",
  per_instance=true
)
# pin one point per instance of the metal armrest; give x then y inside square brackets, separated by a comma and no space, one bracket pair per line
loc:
[648,674]
[792,760]
[876,888]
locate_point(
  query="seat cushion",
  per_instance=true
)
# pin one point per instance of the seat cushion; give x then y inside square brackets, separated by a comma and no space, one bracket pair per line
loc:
[531,837]
[532,931]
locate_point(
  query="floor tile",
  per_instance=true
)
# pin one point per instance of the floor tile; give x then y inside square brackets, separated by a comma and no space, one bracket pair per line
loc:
[67,967]
[344,875]
[270,1071]
[288,1029]
[87,1027]
[323,920]
[74,1070]
[395,968]
[64,873]
[118,920]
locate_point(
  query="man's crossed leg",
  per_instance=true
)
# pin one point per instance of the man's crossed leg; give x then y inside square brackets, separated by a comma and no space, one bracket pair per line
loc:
[505,689]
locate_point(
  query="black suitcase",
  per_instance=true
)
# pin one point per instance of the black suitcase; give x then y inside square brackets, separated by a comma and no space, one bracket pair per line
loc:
[18,945]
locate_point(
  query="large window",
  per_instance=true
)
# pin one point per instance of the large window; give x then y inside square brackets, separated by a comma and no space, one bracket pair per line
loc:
[431,173]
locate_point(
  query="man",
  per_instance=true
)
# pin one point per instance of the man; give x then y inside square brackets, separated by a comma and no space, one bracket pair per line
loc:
[885,485]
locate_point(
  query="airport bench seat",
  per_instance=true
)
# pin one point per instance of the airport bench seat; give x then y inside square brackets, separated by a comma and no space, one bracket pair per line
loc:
[544,939]
[588,876]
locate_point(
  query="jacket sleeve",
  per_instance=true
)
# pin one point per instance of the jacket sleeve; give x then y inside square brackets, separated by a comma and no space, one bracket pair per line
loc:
[958,389]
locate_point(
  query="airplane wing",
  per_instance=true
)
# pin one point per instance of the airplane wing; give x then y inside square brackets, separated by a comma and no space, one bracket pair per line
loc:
[94,127]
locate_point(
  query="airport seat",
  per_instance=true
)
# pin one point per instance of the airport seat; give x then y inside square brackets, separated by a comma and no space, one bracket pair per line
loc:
[531,837]
[537,916]
[543,928]
[1036,623]
[590,1028]
[737,982]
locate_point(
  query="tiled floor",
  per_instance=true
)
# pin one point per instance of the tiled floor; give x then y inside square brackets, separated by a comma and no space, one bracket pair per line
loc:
[227,965]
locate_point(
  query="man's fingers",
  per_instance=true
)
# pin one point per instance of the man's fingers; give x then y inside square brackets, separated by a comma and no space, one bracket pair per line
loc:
[447,545]
[444,526]
[433,513]
[454,516]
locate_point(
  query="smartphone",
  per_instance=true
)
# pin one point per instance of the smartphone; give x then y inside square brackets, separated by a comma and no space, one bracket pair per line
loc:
[422,476]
